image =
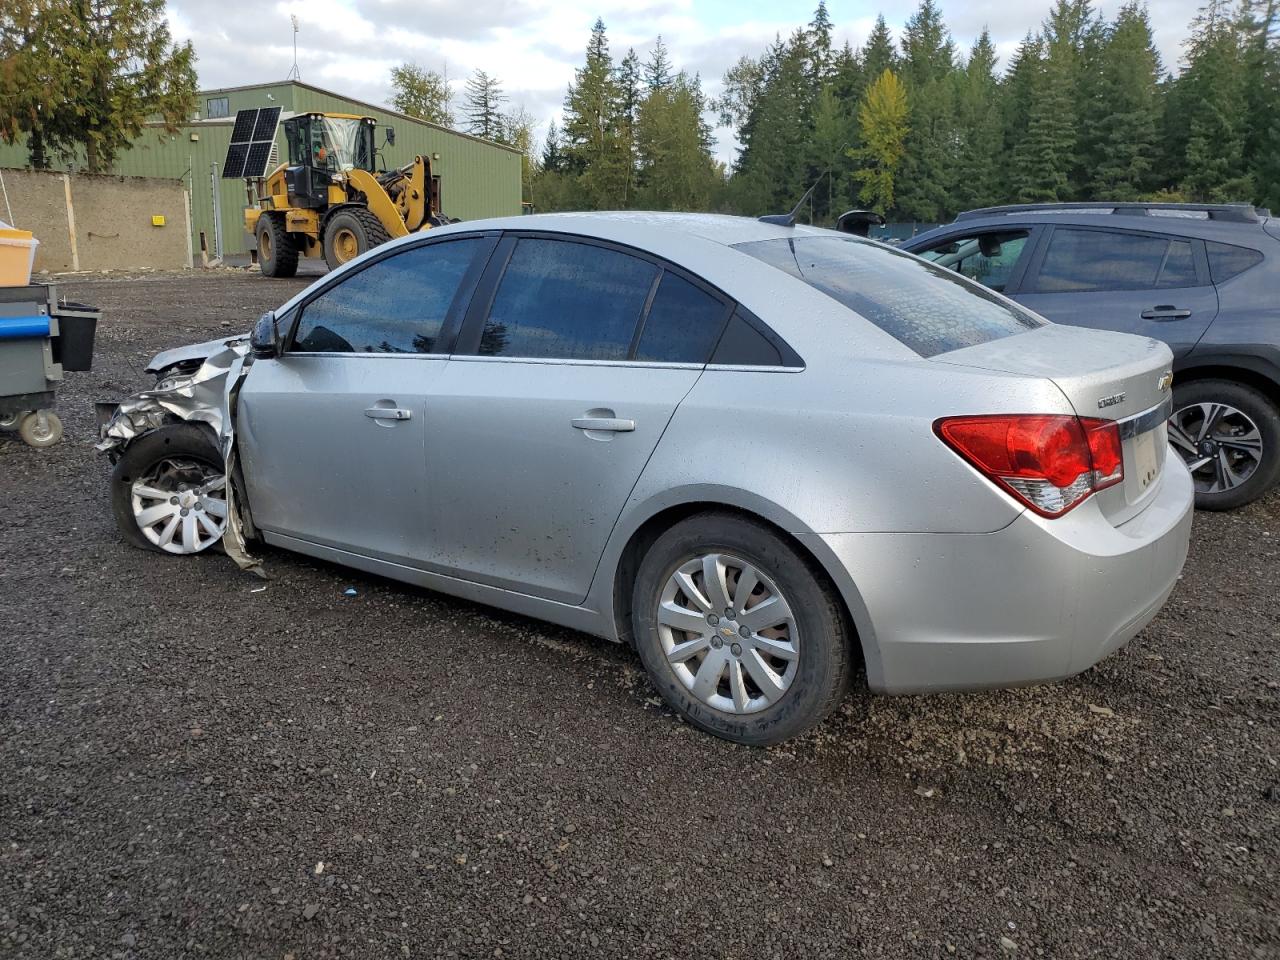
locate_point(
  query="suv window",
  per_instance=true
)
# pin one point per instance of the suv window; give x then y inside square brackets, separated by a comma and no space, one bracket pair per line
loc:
[988,258]
[928,308]
[1080,260]
[1227,260]
[395,305]
[567,300]
[682,325]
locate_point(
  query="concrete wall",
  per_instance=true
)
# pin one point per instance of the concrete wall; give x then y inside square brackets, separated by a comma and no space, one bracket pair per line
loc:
[100,223]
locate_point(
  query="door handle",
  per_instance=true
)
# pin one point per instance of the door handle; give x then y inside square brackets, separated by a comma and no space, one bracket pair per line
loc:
[611,424]
[1165,312]
[388,413]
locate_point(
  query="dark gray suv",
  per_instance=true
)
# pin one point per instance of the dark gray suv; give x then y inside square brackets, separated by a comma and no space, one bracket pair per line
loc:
[1204,278]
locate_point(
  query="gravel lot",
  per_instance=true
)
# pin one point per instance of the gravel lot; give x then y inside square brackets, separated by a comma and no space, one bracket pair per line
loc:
[195,765]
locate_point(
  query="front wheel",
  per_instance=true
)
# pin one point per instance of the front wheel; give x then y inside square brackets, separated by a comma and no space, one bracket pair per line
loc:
[169,491]
[1228,434]
[739,632]
[350,233]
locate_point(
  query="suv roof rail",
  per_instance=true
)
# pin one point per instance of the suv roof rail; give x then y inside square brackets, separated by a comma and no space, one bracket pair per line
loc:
[1235,212]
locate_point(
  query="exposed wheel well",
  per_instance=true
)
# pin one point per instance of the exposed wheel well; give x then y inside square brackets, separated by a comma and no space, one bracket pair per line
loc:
[1250,378]
[659,523]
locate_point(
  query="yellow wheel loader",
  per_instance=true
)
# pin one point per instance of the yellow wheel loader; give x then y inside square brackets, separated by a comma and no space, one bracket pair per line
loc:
[329,200]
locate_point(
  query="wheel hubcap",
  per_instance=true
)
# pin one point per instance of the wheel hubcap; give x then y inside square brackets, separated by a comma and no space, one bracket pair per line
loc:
[728,633]
[181,505]
[264,245]
[1221,446]
[345,245]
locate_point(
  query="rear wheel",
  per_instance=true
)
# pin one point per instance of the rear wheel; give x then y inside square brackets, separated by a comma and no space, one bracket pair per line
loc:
[43,428]
[1228,435]
[738,631]
[351,232]
[277,249]
[169,491]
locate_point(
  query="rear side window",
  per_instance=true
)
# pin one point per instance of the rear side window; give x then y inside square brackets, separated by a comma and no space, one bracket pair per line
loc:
[396,305]
[1227,260]
[565,300]
[928,308]
[1081,261]
[683,324]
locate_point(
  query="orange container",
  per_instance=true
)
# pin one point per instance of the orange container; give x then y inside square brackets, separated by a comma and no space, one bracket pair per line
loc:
[17,256]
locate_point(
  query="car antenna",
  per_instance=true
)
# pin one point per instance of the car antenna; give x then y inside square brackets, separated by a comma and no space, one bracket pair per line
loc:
[789,219]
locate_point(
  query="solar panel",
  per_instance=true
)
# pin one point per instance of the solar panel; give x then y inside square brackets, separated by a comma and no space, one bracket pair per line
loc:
[252,139]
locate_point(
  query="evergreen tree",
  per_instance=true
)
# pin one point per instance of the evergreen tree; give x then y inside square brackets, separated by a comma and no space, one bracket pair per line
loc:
[928,170]
[674,147]
[553,160]
[483,106]
[878,53]
[980,161]
[595,143]
[882,120]
[820,27]
[1124,129]
[91,76]
[421,93]
[1043,131]
[846,76]
[1214,108]
[1259,26]
[657,70]
[832,137]
[630,96]
[773,166]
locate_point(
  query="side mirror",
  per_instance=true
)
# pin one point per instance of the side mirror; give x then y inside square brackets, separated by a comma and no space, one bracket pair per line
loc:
[264,342]
[391,136]
[859,222]
[989,246]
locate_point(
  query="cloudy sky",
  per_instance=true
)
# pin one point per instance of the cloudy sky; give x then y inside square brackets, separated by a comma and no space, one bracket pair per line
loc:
[533,46]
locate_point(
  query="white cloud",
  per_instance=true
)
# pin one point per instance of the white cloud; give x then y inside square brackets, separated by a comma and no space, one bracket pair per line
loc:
[533,46]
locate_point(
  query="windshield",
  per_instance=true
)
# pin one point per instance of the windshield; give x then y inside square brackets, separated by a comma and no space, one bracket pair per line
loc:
[927,308]
[339,144]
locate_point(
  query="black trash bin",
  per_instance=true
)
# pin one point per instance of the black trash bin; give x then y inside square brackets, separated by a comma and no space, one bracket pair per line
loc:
[77,324]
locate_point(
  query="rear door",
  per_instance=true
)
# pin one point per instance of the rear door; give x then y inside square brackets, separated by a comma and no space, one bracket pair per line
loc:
[333,432]
[1149,284]
[573,359]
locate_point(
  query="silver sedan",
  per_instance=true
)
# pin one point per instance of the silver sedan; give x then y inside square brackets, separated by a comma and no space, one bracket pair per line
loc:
[769,456]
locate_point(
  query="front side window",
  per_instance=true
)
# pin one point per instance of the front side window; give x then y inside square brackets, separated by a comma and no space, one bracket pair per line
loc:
[988,258]
[396,305]
[1080,261]
[928,308]
[569,301]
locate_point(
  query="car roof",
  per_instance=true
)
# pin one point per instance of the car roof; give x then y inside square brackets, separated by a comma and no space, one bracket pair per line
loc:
[1102,218]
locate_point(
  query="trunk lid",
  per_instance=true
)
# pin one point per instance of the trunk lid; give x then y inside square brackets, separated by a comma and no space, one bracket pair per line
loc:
[1105,375]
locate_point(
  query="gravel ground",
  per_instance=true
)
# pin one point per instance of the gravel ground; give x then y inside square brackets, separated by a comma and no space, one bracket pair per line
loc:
[195,765]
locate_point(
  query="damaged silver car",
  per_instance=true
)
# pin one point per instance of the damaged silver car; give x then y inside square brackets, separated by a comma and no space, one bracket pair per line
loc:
[767,455]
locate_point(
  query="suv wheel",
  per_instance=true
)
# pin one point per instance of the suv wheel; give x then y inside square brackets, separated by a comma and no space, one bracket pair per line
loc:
[738,631]
[1229,436]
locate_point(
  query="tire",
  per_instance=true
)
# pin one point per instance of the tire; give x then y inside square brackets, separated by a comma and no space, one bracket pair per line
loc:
[1229,436]
[37,434]
[351,232]
[178,462]
[814,673]
[277,248]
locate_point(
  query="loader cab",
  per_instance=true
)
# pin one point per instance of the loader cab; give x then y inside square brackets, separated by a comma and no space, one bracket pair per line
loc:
[323,147]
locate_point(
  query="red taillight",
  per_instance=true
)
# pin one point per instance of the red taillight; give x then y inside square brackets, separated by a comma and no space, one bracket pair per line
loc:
[1049,462]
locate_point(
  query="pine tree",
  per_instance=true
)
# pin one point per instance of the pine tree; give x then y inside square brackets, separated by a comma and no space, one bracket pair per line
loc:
[878,54]
[1213,102]
[980,150]
[482,106]
[882,120]
[820,27]
[1124,131]
[595,145]
[772,166]
[110,65]
[674,147]
[928,170]
[553,160]
[422,93]
[657,69]
[630,96]
[832,137]
[1259,26]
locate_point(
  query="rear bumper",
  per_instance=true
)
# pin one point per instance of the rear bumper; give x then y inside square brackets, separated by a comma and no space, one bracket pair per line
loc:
[1038,600]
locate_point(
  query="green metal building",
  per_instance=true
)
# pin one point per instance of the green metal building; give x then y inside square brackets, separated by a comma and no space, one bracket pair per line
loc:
[478,178]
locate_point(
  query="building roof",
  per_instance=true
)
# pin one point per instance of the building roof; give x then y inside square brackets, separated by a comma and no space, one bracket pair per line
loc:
[214,91]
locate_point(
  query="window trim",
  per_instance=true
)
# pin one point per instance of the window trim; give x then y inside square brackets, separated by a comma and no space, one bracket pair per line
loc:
[453,316]
[467,343]
[1032,276]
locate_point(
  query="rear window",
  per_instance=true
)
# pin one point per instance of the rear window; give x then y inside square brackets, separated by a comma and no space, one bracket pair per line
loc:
[927,308]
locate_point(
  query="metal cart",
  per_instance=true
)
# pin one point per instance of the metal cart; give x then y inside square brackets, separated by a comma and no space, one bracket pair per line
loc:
[34,352]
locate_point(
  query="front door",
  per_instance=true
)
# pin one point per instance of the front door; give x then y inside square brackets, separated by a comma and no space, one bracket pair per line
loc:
[332,433]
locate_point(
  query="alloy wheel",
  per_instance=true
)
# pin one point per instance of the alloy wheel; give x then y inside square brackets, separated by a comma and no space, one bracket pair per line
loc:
[728,633]
[180,505]
[1220,444]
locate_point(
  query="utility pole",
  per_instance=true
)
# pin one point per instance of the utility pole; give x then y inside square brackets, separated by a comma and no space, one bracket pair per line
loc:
[295,73]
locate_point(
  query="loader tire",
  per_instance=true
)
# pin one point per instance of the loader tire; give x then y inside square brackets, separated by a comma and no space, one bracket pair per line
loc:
[350,233]
[277,248]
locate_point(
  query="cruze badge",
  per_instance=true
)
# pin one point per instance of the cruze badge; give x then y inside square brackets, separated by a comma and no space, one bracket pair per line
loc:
[1111,401]
[1165,381]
